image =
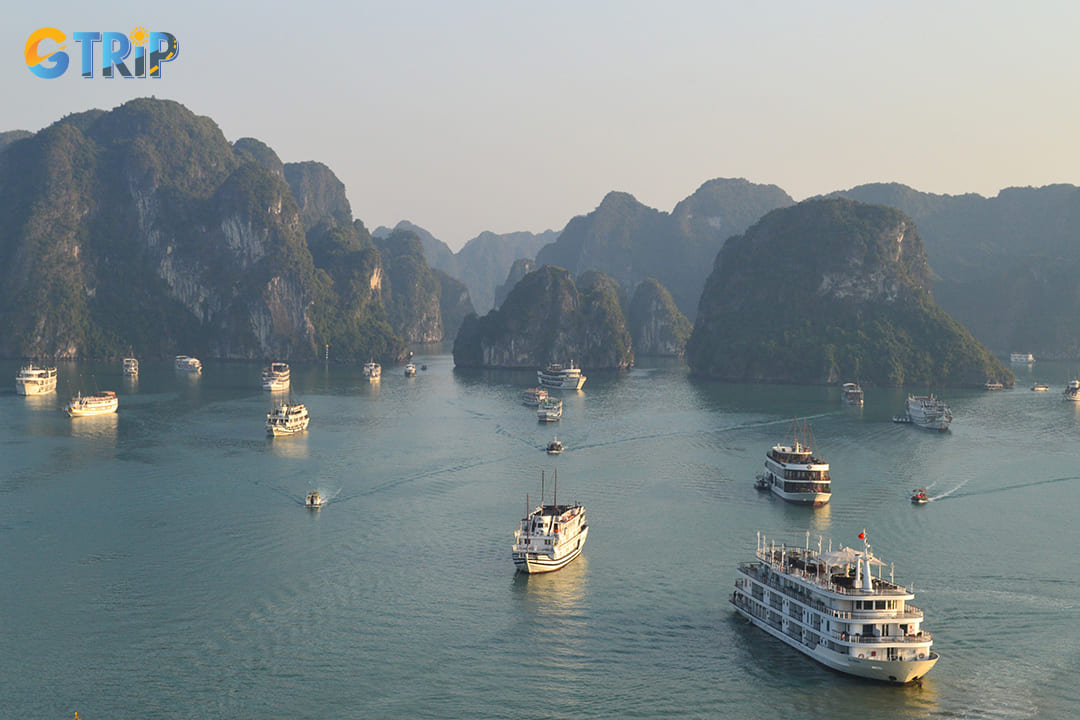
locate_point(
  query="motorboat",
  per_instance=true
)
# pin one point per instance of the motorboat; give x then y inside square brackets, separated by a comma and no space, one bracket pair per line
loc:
[372,371]
[554,447]
[830,606]
[100,403]
[1040,387]
[276,377]
[35,380]
[314,500]
[549,536]
[919,497]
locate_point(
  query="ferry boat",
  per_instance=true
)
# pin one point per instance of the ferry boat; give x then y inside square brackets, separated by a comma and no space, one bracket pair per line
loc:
[853,394]
[550,536]
[829,606]
[919,497]
[928,412]
[37,380]
[561,378]
[131,367]
[1072,391]
[993,385]
[549,410]
[554,447]
[313,500]
[286,419]
[534,396]
[188,364]
[1022,358]
[410,370]
[276,377]
[793,473]
[100,403]
[1040,387]
[372,371]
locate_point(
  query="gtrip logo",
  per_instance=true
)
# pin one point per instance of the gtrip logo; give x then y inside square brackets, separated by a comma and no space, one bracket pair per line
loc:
[46,58]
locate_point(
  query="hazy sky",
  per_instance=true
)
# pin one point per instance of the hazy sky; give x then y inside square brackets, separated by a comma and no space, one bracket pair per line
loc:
[470,116]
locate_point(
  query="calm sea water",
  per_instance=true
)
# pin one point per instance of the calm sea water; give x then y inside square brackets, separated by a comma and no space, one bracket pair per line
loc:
[160,563]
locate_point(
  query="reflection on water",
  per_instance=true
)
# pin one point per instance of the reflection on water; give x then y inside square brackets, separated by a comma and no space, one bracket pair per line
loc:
[41,403]
[97,428]
[289,446]
[554,619]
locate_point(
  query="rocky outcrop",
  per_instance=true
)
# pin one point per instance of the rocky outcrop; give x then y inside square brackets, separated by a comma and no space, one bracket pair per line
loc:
[829,290]
[454,303]
[520,268]
[546,319]
[656,325]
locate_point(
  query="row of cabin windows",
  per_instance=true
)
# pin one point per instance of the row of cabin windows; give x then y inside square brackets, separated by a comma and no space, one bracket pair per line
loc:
[875,604]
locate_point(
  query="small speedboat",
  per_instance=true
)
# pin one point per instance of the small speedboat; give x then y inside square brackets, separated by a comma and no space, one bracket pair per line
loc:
[313,500]
[1040,387]
[410,370]
[919,497]
[554,447]
[761,483]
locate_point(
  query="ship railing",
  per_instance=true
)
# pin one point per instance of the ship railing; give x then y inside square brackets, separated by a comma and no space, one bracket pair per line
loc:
[823,581]
[909,611]
[855,639]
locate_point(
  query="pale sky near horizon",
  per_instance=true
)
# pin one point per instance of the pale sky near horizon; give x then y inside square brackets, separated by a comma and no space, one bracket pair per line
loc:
[469,116]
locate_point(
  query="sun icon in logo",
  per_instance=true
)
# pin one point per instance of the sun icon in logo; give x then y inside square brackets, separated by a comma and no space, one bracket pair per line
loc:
[139,36]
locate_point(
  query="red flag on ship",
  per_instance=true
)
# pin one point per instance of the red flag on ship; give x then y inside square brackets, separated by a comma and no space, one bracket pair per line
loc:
[862,535]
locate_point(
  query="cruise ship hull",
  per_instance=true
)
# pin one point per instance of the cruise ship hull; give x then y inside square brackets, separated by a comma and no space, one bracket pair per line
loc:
[533,563]
[34,388]
[901,672]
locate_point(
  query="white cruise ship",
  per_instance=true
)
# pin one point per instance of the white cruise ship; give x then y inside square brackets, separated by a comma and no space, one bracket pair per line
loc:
[372,371]
[853,394]
[534,396]
[549,410]
[1022,358]
[793,473]
[276,377]
[928,412]
[1072,391]
[831,607]
[561,378]
[131,367]
[100,403]
[550,536]
[286,419]
[35,380]
[188,364]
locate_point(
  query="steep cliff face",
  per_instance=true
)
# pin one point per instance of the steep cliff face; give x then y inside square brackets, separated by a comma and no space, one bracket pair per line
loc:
[656,325]
[545,319]
[829,290]
[454,302]
[411,292]
[141,229]
[520,268]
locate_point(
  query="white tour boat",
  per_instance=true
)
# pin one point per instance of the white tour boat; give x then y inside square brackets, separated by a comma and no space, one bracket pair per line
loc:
[928,412]
[550,536]
[554,447]
[993,385]
[188,364]
[534,396]
[100,403]
[1022,358]
[831,607]
[286,419]
[853,394]
[35,380]
[793,473]
[561,378]
[1072,391]
[372,370]
[410,370]
[549,410]
[131,367]
[313,500]
[276,377]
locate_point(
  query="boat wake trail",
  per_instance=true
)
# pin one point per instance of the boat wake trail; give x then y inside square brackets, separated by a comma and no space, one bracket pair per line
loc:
[1018,486]
[947,493]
